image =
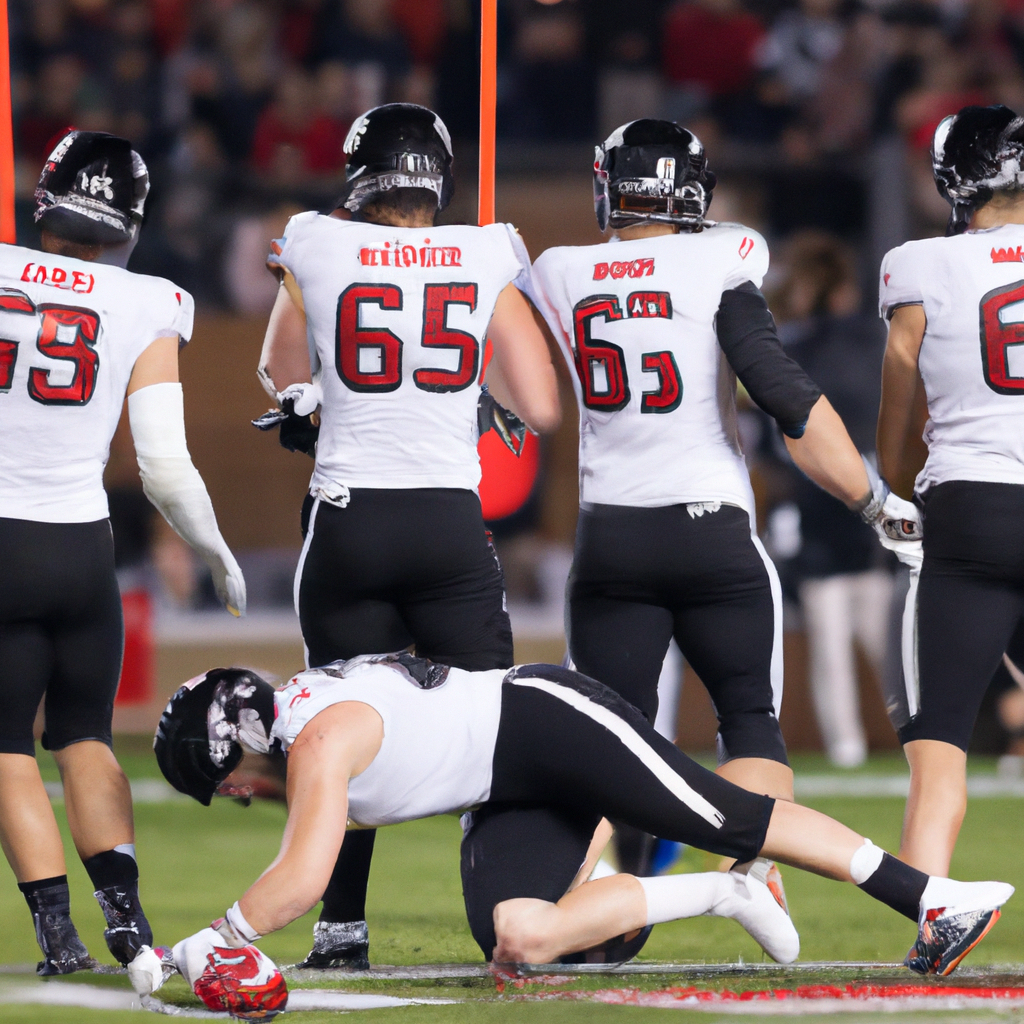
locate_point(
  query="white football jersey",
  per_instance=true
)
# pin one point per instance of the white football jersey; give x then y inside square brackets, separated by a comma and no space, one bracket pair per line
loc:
[972,359]
[636,322]
[70,332]
[397,319]
[438,750]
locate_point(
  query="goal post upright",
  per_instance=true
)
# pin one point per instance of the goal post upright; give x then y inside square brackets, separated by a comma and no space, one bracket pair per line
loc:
[8,232]
[488,103]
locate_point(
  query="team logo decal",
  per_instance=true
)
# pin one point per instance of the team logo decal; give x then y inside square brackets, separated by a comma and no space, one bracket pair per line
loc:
[746,247]
[1008,255]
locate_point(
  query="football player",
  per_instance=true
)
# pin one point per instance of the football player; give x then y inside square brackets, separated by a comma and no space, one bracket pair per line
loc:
[79,333]
[379,327]
[379,740]
[953,307]
[656,325]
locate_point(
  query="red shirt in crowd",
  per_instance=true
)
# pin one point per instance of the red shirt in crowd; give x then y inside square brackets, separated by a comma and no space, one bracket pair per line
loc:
[715,50]
[320,142]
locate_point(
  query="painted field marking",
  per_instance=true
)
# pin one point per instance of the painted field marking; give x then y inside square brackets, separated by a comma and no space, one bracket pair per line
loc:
[93,997]
[804,999]
[156,791]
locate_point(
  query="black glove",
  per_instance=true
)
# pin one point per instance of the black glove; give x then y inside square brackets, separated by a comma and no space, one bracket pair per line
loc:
[507,425]
[298,433]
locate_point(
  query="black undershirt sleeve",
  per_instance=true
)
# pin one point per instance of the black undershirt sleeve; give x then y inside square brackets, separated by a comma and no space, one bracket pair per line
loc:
[750,341]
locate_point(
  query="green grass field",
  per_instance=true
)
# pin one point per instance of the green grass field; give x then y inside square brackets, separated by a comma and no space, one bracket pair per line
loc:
[196,861]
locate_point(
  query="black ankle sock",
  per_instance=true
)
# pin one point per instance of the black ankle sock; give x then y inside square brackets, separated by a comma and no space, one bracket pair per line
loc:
[111,867]
[897,885]
[344,900]
[31,888]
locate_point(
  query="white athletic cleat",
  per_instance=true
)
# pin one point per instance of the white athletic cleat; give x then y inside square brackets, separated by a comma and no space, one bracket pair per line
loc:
[955,917]
[758,903]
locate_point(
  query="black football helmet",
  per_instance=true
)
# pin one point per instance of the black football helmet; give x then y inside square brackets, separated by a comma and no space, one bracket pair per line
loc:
[207,724]
[92,190]
[650,170]
[975,153]
[398,145]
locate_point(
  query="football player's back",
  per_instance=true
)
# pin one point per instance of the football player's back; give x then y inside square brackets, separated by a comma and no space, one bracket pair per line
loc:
[656,394]
[72,331]
[398,317]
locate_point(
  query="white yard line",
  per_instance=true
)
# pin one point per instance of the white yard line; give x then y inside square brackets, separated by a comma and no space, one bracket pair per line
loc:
[93,997]
[156,791]
[978,786]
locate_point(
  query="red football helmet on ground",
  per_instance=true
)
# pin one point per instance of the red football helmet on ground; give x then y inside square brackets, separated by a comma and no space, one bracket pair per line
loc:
[243,982]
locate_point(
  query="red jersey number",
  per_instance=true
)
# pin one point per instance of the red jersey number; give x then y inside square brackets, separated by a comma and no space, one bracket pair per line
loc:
[67,333]
[437,334]
[670,387]
[599,364]
[998,339]
[370,358]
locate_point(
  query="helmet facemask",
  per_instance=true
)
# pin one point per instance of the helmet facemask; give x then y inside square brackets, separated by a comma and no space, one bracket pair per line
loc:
[676,190]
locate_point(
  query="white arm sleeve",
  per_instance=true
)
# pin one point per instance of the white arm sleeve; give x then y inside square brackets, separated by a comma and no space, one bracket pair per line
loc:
[157,418]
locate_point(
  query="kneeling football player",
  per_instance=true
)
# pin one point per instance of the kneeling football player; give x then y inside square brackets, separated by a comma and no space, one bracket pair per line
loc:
[382,739]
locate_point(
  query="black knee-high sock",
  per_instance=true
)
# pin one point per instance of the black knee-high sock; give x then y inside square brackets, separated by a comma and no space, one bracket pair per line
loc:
[111,867]
[897,885]
[345,897]
[30,891]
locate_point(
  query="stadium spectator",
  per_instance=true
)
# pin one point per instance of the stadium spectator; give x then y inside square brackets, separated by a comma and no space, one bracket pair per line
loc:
[60,87]
[708,52]
[294,135]
[550,81]
[361,32]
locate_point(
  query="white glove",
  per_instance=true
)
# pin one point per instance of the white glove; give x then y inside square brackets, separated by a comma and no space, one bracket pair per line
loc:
[306,397]
[243,982]
[170,481]
[896,521]
[150,969]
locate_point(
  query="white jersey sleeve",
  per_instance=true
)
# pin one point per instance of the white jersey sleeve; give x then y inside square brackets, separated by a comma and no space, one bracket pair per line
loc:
[282,250]
[397,319]
[70,333]
[749,262]
[899,281]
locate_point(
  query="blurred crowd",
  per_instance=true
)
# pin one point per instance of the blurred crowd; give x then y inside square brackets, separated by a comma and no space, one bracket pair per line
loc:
[242,106]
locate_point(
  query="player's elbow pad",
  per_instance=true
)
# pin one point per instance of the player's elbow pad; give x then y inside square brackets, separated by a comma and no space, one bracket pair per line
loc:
[170,481]
[750,341]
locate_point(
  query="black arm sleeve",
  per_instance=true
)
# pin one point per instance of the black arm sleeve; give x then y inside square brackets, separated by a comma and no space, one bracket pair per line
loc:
[750,341]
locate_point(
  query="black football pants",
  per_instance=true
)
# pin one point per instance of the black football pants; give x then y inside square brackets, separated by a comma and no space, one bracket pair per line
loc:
[396,568]
[570,751]
[61,632]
